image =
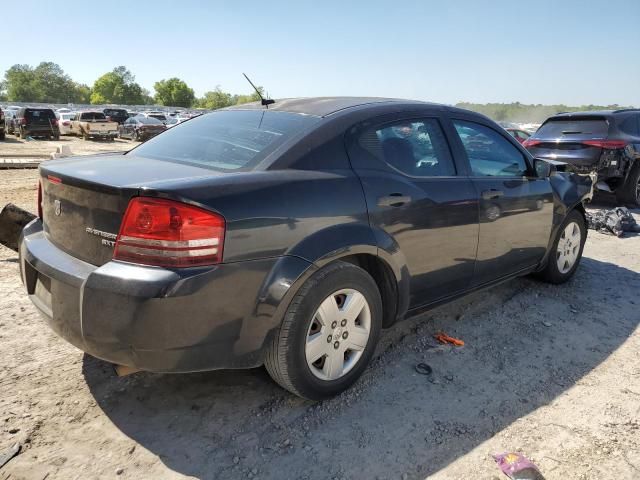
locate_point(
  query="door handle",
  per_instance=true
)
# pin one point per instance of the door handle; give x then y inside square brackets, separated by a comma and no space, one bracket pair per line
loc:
[492,194]
[394,200]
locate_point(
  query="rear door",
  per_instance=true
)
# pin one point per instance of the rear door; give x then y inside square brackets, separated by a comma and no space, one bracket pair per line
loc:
[415,194]
[516,207]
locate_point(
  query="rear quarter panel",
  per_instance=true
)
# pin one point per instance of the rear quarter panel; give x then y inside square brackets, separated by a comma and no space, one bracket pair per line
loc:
[281,212]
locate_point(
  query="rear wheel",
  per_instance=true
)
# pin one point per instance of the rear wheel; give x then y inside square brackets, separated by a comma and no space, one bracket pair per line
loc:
[135,136]
[629,192]
[329,333]
[567,250]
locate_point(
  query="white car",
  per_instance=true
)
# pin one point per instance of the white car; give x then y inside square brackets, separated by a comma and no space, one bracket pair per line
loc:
[64,121]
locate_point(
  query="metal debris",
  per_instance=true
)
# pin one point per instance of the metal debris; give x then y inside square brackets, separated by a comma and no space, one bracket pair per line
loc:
[616,221]
[9,454]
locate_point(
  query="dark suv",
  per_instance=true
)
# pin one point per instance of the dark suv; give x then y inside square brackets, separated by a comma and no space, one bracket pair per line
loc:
[36,122]
[605,142]
[116,114]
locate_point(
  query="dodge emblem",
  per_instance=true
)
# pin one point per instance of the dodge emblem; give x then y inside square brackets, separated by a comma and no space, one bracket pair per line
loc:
[57,207]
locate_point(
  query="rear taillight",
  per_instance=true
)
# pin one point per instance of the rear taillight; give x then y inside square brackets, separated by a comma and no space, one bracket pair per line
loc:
[606,144]
[66,123]
[23,121]
[167,233]
[54,122]
[530,143]
[39,206]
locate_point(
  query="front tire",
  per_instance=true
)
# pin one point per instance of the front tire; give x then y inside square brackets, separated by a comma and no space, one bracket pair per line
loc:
[567,250]
[329,333]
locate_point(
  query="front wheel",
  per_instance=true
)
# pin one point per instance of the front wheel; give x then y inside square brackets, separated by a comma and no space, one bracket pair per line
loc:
[567,250]
[329,333]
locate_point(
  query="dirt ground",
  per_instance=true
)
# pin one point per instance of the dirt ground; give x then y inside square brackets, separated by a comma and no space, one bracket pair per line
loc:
[19,147]
[552,372]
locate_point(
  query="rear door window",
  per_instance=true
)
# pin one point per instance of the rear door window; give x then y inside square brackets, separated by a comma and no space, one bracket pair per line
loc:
[630,125]
[489,153]
[415,147]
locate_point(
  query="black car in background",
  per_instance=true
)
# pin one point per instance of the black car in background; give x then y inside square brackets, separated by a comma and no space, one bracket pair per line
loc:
[3,131]
[116,115]
[290,237]
[141,128]
[36,122]
[605,142]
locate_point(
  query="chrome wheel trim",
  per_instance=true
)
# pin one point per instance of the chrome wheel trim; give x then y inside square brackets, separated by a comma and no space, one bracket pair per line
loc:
[338,334]
[568,247]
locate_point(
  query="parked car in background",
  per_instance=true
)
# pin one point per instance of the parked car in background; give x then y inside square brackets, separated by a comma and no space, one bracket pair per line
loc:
[93,125]
[3,131]
[64,121]
[291,236]
[10,120]
[604,142]
[518,134]
[36,122]
[118,115]
[173,121]
[140,128]
[157,115]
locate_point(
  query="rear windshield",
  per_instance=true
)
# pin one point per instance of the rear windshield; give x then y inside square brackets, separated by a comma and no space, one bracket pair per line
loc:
[227,140]
[92,116]
[115,112]
[149,120]
[569,128]
[158,116]
[39,113]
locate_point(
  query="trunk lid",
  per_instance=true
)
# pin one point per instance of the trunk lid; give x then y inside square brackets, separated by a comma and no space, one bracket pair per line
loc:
[84,199]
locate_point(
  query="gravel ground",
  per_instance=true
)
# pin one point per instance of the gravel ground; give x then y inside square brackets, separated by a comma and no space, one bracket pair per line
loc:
[549,371]
[13,146]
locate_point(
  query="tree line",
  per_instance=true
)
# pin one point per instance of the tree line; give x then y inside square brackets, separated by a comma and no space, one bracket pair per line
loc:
[520,113]
[48,83]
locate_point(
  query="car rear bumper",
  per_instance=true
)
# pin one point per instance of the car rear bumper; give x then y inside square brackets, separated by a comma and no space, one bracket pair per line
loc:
[110,134]
[153,318]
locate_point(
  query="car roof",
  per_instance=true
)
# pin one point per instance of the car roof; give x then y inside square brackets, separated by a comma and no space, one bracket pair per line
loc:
[323,106]
[595,113]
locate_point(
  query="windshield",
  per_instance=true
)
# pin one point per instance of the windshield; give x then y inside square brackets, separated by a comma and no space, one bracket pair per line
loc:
[226,140]
[158,116]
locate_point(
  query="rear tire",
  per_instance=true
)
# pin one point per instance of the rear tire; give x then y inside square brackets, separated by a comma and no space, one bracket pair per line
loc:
[567,250]
[345,344]
[629,192]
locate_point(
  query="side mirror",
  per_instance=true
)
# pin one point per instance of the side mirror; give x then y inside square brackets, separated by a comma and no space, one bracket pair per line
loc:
[543,168]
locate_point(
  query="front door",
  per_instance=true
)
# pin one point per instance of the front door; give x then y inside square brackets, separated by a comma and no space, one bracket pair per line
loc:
[516,207]
[415,196]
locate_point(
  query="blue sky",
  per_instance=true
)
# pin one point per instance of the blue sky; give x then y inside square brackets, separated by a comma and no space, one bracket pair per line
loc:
[572,52]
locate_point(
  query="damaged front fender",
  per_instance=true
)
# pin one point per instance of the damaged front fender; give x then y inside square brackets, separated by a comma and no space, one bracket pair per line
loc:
[570,191]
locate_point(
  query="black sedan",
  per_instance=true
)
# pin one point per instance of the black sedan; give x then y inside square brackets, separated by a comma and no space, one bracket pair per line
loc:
[140,128]
[291,236]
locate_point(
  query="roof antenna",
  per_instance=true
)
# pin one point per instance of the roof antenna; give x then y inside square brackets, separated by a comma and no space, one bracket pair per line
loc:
[264,101]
